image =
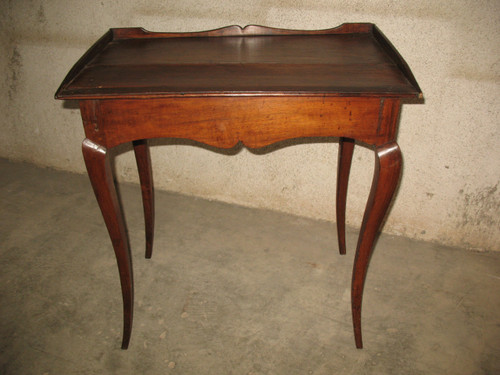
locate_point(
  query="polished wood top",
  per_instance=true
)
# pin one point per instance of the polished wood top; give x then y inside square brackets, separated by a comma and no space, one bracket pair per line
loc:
[351,60]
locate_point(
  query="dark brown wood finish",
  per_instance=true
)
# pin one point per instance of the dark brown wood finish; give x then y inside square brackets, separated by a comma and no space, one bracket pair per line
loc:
[143,159]
[99,170]
[346,149]
[254,85]
[388,162]
[351,60]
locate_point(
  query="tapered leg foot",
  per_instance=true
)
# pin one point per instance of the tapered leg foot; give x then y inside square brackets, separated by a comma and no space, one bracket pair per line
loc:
[143,159]
[388,163]
[346,148]
[101,178]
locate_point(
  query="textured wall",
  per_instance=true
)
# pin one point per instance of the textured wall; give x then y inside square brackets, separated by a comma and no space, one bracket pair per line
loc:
[450,189]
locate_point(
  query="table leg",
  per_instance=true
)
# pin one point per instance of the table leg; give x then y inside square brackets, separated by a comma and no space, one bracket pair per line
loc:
[388,163]
[99,171]
[346,148]
[143,159]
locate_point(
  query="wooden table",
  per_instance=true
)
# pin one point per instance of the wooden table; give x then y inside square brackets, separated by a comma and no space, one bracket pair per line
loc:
[254,85]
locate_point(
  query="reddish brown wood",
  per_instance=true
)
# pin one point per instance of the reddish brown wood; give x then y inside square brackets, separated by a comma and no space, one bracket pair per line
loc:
[346,148]
[388,162]
[143,159]
[99,170]
[254,121]
[235,30]
[255,85]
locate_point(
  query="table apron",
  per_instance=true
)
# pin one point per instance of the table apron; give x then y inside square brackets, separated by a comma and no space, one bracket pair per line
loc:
[255,121]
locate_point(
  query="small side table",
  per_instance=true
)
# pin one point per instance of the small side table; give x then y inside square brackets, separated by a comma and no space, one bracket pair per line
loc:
[255,85]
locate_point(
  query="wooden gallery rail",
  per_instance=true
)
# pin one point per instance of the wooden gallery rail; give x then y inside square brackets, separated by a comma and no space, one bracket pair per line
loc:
[255,85]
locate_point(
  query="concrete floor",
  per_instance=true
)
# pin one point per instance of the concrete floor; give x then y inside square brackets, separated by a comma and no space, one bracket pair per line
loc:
[229,290]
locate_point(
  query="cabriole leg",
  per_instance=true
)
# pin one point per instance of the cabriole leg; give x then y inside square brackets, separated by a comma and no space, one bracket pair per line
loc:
[346,148]
[143,159]
[99,171]
[388,163]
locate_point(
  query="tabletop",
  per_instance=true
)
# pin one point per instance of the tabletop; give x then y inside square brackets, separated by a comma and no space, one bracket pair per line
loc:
[350,60]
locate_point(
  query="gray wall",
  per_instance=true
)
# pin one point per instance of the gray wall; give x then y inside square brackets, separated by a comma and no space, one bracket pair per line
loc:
[451,145]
